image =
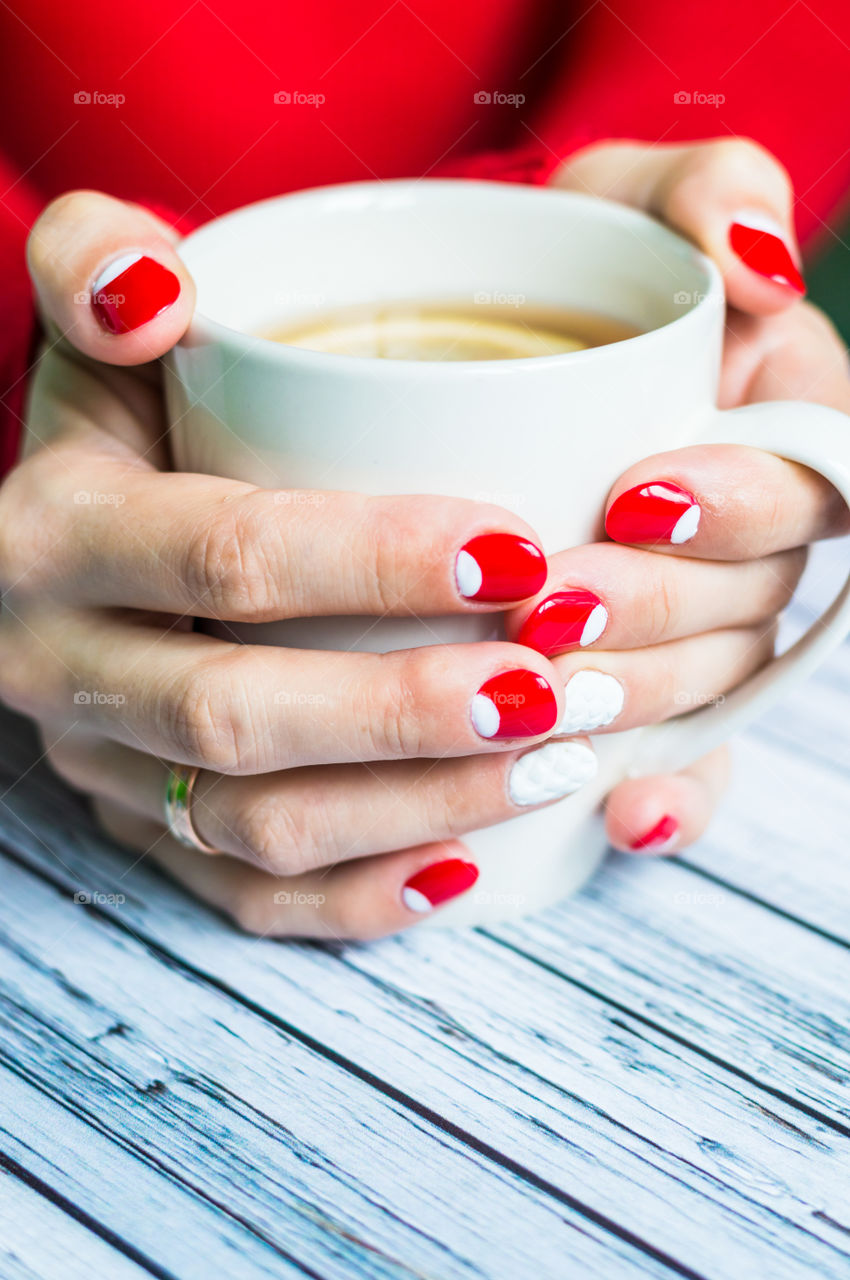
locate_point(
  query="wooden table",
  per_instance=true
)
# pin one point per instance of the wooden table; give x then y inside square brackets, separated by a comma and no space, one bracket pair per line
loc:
[650,1080]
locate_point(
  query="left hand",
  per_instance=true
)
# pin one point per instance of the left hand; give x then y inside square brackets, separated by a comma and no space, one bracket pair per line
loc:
[681,628]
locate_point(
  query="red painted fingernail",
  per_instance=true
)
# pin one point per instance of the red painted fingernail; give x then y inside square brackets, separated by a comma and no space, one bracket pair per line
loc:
[500,566]
[657,512]
[662,836]
[562,620]
[515,704]
[438,883]
[767,254]
[131,291]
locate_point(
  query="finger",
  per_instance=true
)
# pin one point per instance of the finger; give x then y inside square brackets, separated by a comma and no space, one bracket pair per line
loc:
[723,502]
[359,901]
[666,812]
[254,709]
[107,275]
[623,689]
[797,355]
[729,195]
[220,549]
[299,819]
[613,597]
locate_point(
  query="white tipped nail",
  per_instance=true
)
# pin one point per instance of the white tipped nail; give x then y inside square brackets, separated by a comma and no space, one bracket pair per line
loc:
[686,526]
[591,699]
[597,621]
[485,716]
[468,575]
[760,221]
[114,270]
[550,772]
[415,901]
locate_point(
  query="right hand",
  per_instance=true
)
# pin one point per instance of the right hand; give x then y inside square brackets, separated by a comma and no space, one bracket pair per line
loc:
[347,774]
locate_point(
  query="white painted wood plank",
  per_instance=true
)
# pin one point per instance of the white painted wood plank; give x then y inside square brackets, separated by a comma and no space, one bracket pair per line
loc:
[743,984]
[664,1144]
[344,1179]
[126,1191]
[38,1241]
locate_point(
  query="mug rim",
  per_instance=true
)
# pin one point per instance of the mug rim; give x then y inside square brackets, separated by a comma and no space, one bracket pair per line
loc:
[203,328]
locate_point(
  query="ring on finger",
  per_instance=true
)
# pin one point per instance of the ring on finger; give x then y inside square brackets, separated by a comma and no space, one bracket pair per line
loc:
[179,794]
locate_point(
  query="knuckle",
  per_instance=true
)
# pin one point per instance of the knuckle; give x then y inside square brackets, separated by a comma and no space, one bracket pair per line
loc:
[28,525]
[277,836]
[663,606]
[226,565]
[393,718]
[198,717]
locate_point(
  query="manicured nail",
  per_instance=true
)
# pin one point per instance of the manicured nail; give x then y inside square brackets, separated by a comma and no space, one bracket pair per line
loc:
[500,566]
[591,699]
[515,704]
[661,838]
[657,512]
[131,291]
[564,619]
[558,769]
[438,883]
[758,242]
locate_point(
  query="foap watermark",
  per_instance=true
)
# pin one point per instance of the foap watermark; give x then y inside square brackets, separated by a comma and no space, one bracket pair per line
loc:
[104,298]
[300,498]
[286,898]
[94,898]
[497,98]
[487,898]
[688,297]
[98,698]
[685,699]
[299,698]
[498,299]
[705,898]
[298,98]
[96,98]
[501,498]
[95,498]
[508,699]
[698,98]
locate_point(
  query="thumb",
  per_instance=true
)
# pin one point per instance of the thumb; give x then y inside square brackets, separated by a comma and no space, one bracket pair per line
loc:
[107,276]
[729,195]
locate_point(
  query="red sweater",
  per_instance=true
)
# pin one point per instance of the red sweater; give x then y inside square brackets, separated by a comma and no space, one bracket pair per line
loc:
[186,109]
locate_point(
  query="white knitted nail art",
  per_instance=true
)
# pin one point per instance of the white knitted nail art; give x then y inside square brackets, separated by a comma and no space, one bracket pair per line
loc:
[555,770]
[591,699]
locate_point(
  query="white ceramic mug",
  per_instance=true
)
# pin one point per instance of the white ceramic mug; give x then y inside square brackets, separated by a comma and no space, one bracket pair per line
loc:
[545,436]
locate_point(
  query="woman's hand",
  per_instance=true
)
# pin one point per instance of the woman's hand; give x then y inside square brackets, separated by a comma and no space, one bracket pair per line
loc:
[684,627]
[312,763]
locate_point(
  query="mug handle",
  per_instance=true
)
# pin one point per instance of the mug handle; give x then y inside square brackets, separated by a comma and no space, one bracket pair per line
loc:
[819,438]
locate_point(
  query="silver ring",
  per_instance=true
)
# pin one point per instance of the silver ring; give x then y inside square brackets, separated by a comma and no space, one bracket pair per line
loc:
[179,794]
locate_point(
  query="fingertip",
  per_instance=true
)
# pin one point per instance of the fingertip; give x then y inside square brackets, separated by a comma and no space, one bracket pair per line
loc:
[657,815]
[141,301]
[666,812]
[107,275]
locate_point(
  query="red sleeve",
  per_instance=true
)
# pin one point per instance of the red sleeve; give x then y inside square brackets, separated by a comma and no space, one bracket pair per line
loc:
[666,72]
[19,207]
